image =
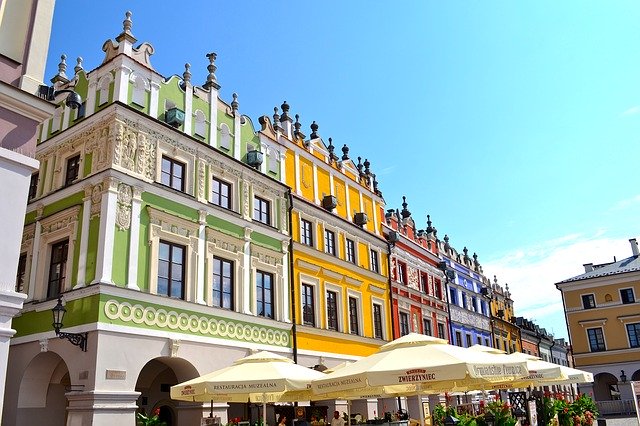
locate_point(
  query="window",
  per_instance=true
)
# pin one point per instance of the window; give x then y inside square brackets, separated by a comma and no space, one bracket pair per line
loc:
[588,301]
[633,331]
[171,262]
[264,289]
[426,327]
[404,323]
[478,340]
[221,193]
[351,251]
[33,186]
[474,304]
[329,242]
[22,269]
[441,333]
[73,168]
[306,232]
[353,316]
[424,286]
[172,173]
[402,273]
[626,294]
[377,321]
[308,306]
[57,268]
[261,211]
[439,289]
[596,339]
[222,291]
[453,299]
[458,338]
[332,310]
[486,342]
[373,258]
[468,336]
[464,300]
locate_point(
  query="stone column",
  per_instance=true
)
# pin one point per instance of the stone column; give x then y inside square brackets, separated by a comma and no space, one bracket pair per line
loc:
[101,408]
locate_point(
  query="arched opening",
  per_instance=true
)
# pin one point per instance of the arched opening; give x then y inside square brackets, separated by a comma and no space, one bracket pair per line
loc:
[636,376]
[154,383]
[605,387]
[42,391]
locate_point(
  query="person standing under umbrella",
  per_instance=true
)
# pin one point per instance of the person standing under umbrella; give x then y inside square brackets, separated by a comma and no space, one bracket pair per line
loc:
[337,419]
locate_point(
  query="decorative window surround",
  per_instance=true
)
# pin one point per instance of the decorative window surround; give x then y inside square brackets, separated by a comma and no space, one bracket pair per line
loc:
[28,238]
[188,159]
[103,87]
[57,227]
[339,305]
[229,248]
[383,308]
[163,226]
[318,307]
[271,262]
[200,124]
[140,88]
[358,297]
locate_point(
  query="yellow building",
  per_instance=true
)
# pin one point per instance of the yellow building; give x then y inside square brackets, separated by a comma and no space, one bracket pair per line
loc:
[506,334]
[603,314]
[339,257]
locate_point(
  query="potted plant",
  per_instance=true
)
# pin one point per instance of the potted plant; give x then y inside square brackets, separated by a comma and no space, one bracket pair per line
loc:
[150,420]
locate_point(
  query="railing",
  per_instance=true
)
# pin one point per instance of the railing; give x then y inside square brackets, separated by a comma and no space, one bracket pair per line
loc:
[625,406]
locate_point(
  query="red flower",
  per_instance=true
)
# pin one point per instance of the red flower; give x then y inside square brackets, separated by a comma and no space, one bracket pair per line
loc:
[156,411]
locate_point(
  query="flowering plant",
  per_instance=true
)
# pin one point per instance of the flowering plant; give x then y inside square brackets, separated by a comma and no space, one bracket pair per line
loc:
[581,412]
[150,420]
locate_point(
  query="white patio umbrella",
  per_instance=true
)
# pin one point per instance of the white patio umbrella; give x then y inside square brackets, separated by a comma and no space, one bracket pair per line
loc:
[261,377]
[424,361]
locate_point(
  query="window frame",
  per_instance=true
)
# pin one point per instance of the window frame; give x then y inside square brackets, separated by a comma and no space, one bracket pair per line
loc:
[599,340]
[172,163]
[52,293]
[350,251]
[261,300]
[377,317]
[636,332]
[588,297]
[442,333]
[306,232]
[33,186]
[21,273]
[426,327]
[374,260]
[232,278]
[333,322]
[403,323]
[307,299]
[330,242]
[354,309]
[170,279]
[72,167]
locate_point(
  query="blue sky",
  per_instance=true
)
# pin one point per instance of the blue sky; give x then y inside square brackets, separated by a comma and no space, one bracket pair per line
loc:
[515,125]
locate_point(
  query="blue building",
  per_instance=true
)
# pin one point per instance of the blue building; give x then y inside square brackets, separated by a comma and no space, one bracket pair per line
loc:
[469,295]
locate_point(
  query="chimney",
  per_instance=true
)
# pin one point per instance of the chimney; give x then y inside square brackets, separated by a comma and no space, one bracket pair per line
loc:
[588,267]
[634,247]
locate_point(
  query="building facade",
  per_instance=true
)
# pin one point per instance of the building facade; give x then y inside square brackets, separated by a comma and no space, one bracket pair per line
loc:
[167,241]
[469,298]
[506,334]
[603,316]
[25,27]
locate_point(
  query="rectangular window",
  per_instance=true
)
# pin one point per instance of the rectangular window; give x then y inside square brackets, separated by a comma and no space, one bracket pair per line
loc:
[329,242]
[351,251]
[264,297]
[222,291]
[73,168]
[478,340]
[468,336]
[308,306]
[261,211]
[57,268]
[426,327]
[458,338]
[377,321]
[596,339]
[452,294]
[373,258]
[172,173]
[588,301]
[464,300]
[474,304]
[486,342]
[424,286]
[306,232]
[438,289]
[332,310]
[626,294]
[221,193]
[22,270]
[353,316]
[171,263]
[633,331]
[404,323]
[402,273]
[441,333]
[33,186]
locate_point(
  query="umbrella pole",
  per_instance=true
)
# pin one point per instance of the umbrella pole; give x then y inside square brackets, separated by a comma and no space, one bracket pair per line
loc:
[349,412]
[421,409]
[264,409]
[211,413]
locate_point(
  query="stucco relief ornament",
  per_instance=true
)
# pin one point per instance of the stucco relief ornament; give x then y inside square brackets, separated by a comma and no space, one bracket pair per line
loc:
[201,179]
[123,210]
[339,194]
[306,176]
[129,146]
[414,279]
[117,153]
[245,193]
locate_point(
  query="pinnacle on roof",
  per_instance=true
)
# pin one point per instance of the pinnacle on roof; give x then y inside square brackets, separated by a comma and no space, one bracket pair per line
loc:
[405,213]
[345,152]
[212,81]
[314,130]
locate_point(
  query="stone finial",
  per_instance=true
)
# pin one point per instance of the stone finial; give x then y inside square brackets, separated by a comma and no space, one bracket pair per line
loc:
[465,250]
[276,119]
[285,112]
[62,71]
[297,125]
[447,246]
[331,148]
[475,260]
[366,167]
[212,81]
[314,130]
[127,23]
[186,75]
[234,102]
[495,280]
[429,227]
[345,152]
[405,212]
[359,166]
[375,184]
[78,66]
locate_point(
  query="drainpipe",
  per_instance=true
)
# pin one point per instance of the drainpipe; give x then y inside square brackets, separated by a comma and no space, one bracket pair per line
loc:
[443,268]
[292,282]
[389,246]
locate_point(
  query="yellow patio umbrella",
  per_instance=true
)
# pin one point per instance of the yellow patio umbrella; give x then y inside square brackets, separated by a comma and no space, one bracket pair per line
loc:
[261,377]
